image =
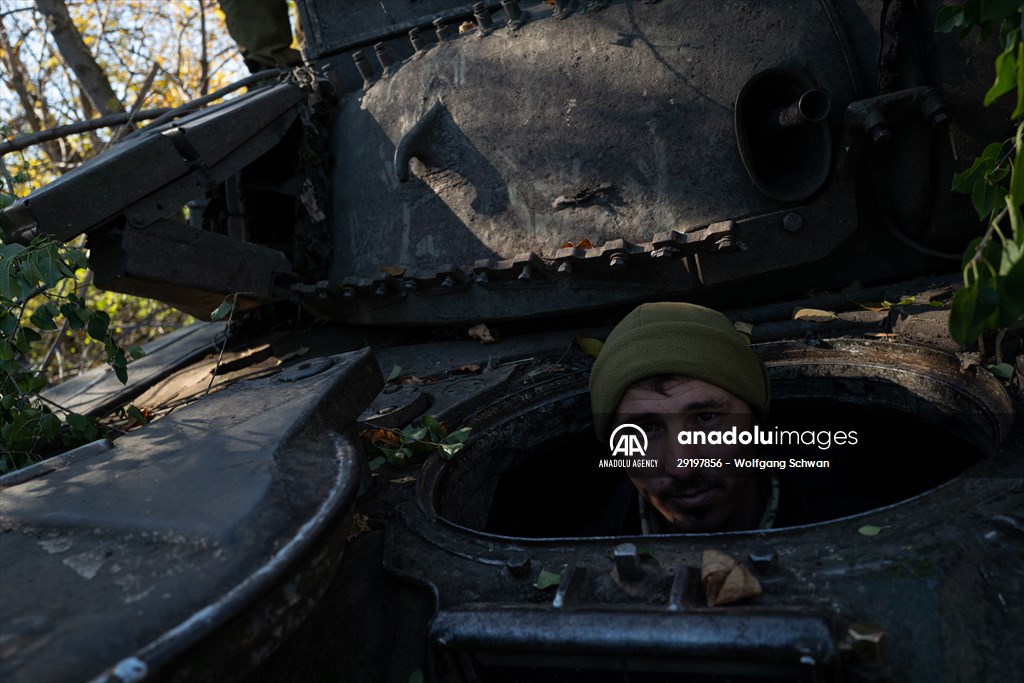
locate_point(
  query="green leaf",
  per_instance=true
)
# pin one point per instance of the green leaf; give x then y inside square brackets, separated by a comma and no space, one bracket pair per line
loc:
[416,676]
[136,352]
[974,308]
[136,415]
[43,317]
[99,325]
[459,435]
[870,530]
[547,579]
[393,375]
[949,18]
[964,181]
[986,197]
[49,425]
[377,463]
[78,422]
[1006,76]
[77,258]
[6,351]
[1002,370]
[1018,111]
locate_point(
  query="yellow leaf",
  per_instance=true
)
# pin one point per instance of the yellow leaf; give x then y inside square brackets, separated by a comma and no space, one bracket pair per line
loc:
[814,315]
[592,347]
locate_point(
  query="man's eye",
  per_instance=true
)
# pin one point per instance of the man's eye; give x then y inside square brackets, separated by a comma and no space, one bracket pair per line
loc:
[705,418]
[649,427]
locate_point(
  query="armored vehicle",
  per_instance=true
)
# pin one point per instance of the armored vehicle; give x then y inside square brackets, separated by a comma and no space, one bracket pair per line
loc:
[444,174]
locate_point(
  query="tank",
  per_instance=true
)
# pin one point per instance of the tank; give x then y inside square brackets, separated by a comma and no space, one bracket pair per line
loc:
[437,216]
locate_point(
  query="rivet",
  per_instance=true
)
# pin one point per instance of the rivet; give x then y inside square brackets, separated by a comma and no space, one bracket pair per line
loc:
[565,269]
[449,281]
[763,559]
[416,38]
[384,56]
[518,564]
[617,261]
[939,119]
[792,222]
[483,17]
[516,17]
[482,279]
[381,290]
[365,70]
[526,274]
[349,293]
[410,285]
[726,243]
[627,562]
[879,134]
[868,643]
[664,252]
[441,29]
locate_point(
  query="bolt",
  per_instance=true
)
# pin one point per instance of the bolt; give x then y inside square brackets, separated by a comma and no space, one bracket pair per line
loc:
[349,293]
[483,17]
[664,252]
[627,562]
[365,70]
[381,290]
[518,565]
[526,274]
[384,56]
[441,30]
[565,268]
[617,261]
[726,243]
[764,559]
[482,279]
[792,222]
[939,119]
[410,285]
[443,638]
[512,11]
[449,281]
[880,133]
[868,643]
[416,38]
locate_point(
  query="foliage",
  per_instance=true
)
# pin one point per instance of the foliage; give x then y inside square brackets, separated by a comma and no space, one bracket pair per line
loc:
[993,265]
[402,446]
[31,302]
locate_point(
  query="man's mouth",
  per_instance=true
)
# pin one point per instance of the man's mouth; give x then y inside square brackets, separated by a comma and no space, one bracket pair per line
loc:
[693,497]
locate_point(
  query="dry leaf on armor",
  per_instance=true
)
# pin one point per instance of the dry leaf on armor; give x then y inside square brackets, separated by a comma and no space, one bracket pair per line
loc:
[359,525]
[724,580]
[466,27]
[394,271]
[483,333]
[471,369]
[968,359]
[814,315]
[592,347]
[411,379]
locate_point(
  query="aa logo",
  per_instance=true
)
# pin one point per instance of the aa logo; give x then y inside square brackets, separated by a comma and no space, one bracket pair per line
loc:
[628,440]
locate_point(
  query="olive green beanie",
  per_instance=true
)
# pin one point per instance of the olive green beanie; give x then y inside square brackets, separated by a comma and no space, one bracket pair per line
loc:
[675,339]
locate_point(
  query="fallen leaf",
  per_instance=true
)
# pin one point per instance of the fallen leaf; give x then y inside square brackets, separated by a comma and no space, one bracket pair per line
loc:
[301,351]
[359,525]
[875,306]
[483,333]
[745,328]
[592,347]
[585,244]
[466,27]
[394,271]
[814,315]
[411,379]
[724,580]
[1002,370]
[567,245]
[385,438]
[470,369]
[394,374]
[403,480]
[547,579]
[870,530]
[968,359]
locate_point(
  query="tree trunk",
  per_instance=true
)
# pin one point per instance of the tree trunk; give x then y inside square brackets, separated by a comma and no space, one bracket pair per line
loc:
[77,56]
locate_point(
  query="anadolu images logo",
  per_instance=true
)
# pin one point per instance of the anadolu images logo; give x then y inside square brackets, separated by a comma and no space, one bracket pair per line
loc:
[628,440]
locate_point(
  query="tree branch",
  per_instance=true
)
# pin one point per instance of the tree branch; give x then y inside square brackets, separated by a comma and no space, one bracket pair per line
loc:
[108,121]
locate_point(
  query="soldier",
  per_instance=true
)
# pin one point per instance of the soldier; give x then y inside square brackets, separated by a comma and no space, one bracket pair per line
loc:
[263,33]
[673,367]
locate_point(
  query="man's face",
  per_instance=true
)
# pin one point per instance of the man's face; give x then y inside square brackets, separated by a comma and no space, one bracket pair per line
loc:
[693,500]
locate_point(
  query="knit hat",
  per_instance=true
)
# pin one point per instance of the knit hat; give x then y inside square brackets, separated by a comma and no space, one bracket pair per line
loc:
[675,339]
